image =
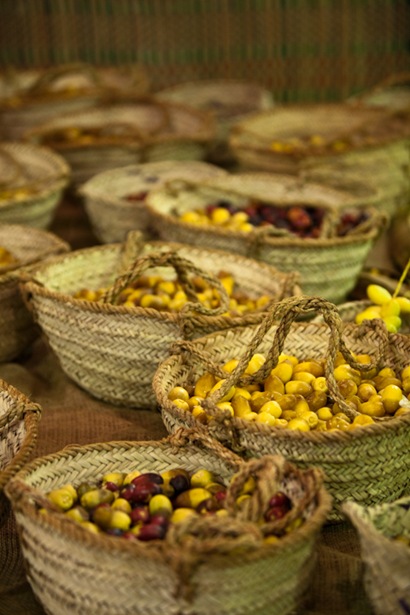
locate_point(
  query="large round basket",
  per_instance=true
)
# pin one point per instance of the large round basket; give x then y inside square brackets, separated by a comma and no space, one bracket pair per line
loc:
[228,100]
[29,98]
[115,135]
[33,179]
[386,557]
[29,246]
[112,351]
[203,565]
[366,464]
[115,199]
[18,433]
[318,260]
[292,138]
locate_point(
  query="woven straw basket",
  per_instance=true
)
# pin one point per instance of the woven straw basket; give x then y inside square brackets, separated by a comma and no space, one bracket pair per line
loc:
[368,465]
[112,351]
[318,260]
[126,133]
[206,565]
[386,560]
[18,432]
[32,181]
[292,138]
[393,93]
[228,100]
[113,215]
[28,246]
[29,98]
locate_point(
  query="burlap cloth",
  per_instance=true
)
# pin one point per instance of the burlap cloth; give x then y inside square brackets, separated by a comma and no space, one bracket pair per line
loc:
[71,416]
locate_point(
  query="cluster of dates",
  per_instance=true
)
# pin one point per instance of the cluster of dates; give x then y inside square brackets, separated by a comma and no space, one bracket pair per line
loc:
[296,396]
[300,220]
[141,506]
[165,294]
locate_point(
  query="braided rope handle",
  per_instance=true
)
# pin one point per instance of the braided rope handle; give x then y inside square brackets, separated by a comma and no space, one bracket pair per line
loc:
[284,313]
[16,165]
[183,268]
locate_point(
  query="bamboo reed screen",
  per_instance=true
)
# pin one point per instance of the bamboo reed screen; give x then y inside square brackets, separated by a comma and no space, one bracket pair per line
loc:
[303,50]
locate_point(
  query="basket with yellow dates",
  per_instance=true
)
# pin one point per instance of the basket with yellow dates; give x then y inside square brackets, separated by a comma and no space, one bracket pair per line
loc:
[19,418]
[112,312]
[384,534]
[188,527]
[333,395]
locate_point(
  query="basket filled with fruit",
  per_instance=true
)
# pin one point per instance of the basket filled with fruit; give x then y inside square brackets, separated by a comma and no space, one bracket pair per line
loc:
[291,138]
[19,419]
[112,312]
[20,247]
[185,524]
[291,224]
[115,199]
[32,182]
[30,97]
[228,100]
[112,135]
[331,395]
[384,534]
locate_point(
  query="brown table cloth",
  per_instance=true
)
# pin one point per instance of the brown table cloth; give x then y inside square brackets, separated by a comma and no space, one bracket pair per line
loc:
[72,416]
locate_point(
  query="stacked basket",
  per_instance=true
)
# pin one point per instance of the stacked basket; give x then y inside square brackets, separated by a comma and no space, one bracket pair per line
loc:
[367,464]
[205,564]
[32,181]
[18,432]
[29,98]
[115,199]
[316,259]
[108,136]
[113,350]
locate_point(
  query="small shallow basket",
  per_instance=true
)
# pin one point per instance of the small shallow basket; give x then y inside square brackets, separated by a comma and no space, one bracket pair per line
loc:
[19,419]
[112,351]
[113,215]
[228,100]
[386,561]
[318,261]
[368,465]
[29,98]
[127,133]
[292,138]
[208,565]
[29,246]
[32,182]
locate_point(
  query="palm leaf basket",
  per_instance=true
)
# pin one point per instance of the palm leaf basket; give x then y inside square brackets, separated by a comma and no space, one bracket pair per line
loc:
[107,196]
[29,246]
[228,100]
[317,260]
[206,565]
[293,138]
[19,419]
[112,351]
[392,93]
[30,98]
[386,559]
[368,465]
[130,132]
[32,182]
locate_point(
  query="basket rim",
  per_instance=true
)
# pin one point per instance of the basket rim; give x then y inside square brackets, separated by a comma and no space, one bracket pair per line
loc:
[33,286]
[64,525]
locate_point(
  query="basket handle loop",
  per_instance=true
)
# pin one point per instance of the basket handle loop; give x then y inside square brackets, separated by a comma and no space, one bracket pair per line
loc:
[43,82]
[183,268]
[183,436]
[18,169]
